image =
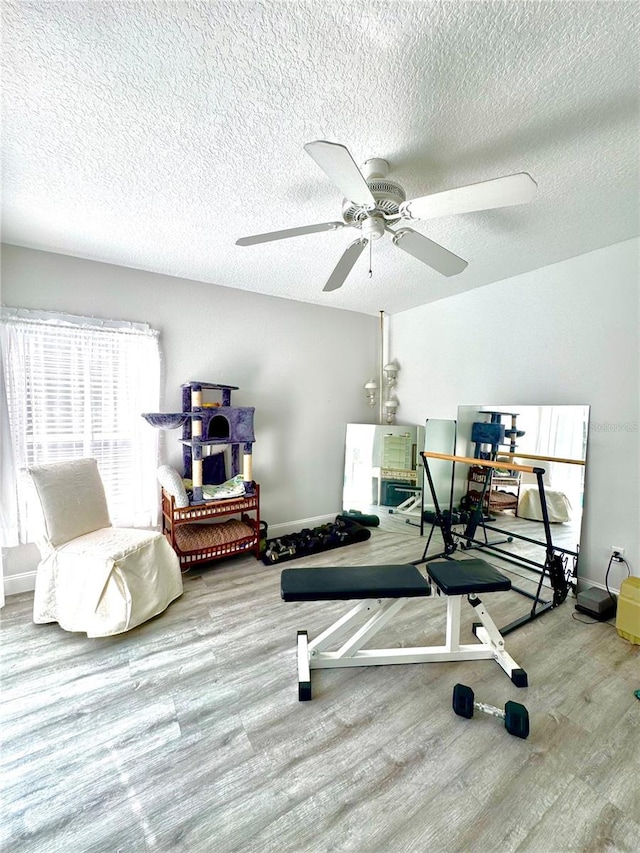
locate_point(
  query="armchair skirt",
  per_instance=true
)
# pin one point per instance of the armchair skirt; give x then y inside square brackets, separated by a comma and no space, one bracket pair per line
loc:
[107,581]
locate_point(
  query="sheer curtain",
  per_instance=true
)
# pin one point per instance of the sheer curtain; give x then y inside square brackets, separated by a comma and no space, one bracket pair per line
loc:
[561,432]
[76,387]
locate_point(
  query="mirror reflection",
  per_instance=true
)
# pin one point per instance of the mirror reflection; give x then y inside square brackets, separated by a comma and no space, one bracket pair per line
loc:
[383,470]
[384,474]
[553,438]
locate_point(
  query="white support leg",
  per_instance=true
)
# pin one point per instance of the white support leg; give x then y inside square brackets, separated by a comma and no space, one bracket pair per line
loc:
[489,635]
[452,641]
[304,674]
[342,625]
[492,633]
[372,626]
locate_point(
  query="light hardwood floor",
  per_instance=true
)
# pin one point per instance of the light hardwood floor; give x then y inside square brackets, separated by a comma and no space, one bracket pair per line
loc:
[186,734]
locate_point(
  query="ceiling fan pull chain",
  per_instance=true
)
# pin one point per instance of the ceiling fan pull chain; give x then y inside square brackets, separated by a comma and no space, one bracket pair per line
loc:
[370,270]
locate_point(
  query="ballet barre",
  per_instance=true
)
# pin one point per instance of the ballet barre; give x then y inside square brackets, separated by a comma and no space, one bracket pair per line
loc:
[483,463]
[506,456]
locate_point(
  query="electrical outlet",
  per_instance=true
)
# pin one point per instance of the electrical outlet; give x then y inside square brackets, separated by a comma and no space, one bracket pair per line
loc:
[617,552]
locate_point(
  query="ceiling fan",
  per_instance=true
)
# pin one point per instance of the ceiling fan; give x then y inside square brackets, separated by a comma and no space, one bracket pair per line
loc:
[373,203]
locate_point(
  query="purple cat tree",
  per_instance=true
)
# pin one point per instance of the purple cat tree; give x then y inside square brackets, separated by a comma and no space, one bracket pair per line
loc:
[210,425]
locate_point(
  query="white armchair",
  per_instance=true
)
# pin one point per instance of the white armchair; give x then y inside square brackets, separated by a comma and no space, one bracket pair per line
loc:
[558,505]
[93,577]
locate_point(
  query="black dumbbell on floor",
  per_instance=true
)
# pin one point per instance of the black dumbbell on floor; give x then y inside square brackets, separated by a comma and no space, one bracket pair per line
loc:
[515,715]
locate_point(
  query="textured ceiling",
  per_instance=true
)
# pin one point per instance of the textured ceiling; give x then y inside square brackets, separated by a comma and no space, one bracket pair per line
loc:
[153,134]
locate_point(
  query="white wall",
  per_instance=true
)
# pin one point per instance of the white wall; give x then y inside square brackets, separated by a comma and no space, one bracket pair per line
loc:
[567,333]
[302,366]
[563,334]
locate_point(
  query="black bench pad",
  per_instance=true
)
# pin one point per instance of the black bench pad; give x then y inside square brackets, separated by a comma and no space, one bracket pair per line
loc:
[328,584]
[462,577]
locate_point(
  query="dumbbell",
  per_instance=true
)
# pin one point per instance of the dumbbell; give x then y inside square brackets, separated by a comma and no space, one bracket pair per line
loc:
[515,715]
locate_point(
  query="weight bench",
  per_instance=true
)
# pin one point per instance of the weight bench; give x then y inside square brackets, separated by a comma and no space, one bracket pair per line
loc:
[383,591]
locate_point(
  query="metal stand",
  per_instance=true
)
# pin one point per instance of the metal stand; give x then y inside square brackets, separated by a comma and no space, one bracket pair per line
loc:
[554,565]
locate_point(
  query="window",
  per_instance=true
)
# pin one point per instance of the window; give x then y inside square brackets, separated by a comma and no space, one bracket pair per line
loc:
[76,387]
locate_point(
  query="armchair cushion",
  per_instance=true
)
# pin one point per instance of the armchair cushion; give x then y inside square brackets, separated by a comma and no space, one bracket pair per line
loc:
[72,499]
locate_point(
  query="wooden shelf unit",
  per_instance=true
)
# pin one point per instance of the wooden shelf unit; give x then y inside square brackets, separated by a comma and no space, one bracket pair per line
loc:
[502,492]
[214,512]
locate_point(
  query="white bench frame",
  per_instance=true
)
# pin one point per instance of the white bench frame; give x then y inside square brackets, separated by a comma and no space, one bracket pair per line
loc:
[314,654]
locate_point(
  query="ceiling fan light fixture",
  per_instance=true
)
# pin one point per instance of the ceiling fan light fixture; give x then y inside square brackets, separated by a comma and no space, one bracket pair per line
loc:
[373,227]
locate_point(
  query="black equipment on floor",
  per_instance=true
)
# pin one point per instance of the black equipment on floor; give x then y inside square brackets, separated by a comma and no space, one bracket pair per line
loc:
[343,531]
[596,603]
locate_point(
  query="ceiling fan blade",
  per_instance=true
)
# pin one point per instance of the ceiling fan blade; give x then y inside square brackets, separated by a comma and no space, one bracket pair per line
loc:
[345,265]
[498,192]
[430,253]
[338,164]
[289,232]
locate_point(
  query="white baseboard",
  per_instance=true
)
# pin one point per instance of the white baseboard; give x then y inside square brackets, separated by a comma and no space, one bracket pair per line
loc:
[26,581]
[585,583]
[287,527]
[22,582]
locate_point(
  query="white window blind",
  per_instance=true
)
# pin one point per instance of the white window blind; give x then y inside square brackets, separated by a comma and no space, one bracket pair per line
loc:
[76,387]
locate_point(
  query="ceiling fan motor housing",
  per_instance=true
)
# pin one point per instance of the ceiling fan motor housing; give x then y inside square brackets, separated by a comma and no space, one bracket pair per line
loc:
[388,195]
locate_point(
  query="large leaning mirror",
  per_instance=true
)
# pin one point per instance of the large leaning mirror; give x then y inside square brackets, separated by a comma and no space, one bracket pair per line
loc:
[383,471]
[553,438]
